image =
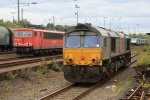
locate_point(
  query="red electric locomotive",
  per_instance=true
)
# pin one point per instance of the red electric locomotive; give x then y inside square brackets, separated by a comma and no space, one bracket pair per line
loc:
[37,41]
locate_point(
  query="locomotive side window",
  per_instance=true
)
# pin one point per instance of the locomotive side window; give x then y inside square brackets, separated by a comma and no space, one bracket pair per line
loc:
[35,34]
[91,41]
[73,41]
[128,44]
[104,42]
[113,44]
[52,36]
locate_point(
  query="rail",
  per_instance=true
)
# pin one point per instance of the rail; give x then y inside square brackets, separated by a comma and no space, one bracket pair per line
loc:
[27,61]
[86,92]
[10,52]
[47,97]
[131,95]
[12,66]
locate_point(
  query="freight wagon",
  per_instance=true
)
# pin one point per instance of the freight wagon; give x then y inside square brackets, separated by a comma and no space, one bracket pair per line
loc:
[6,39]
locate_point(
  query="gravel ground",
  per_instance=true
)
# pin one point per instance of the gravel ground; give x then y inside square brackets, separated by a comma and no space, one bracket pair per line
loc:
[114,88]
[32,86]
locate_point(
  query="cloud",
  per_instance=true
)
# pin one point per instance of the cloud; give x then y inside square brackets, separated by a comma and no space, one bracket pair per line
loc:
[131,12]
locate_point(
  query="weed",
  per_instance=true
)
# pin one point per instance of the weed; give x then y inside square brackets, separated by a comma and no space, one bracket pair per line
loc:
[42,69]
[122,83]
[54,65]
[10,76]
[144,60]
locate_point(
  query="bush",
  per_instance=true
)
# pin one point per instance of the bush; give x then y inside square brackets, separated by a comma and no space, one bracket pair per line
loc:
[144,60]
[54,65]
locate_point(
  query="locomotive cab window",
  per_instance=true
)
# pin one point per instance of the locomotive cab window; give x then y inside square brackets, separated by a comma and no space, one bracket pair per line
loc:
[73,41]
[91,41]
[23,33]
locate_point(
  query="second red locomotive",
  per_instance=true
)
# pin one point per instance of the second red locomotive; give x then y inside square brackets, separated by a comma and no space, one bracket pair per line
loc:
[37,41]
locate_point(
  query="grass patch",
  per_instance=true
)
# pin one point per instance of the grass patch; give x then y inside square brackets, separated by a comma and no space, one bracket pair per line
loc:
[146,85]
[10,76]
[144,50]
[42,69]
[120,85]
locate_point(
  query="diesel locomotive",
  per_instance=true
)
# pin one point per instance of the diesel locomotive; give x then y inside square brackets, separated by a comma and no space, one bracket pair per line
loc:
[6,39]
[91,53]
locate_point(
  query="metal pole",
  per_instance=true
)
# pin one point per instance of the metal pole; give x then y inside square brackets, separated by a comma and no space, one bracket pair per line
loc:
[54,20]
[77,12]
[110,23]
[22,13]
[134,30]
[137,28]
[77,16]
[128,29]
[49,23]
[104,22]
[18,11]
[13,19]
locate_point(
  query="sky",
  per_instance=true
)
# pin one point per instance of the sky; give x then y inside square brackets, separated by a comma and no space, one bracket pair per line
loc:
[124,15]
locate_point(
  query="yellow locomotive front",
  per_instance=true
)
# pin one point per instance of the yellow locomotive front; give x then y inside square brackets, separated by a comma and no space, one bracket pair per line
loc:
[82,55]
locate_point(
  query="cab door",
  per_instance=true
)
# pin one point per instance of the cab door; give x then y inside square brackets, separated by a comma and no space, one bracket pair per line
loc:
[37,40]
[40,40]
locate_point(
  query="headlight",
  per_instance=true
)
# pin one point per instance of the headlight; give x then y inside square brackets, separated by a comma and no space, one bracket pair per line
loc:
[17,44]
[29,44]
[93,60]
[96,60]
[68,60]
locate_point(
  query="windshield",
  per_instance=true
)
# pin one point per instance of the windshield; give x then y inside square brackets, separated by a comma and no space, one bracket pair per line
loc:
[23,33]
[73,41]
[91,41]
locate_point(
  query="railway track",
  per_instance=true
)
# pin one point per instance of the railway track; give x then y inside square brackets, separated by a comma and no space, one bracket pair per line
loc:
[75,92]
[9,52]
[12,58]
[15,65]
[134,55]
[138,93]
[27,61]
